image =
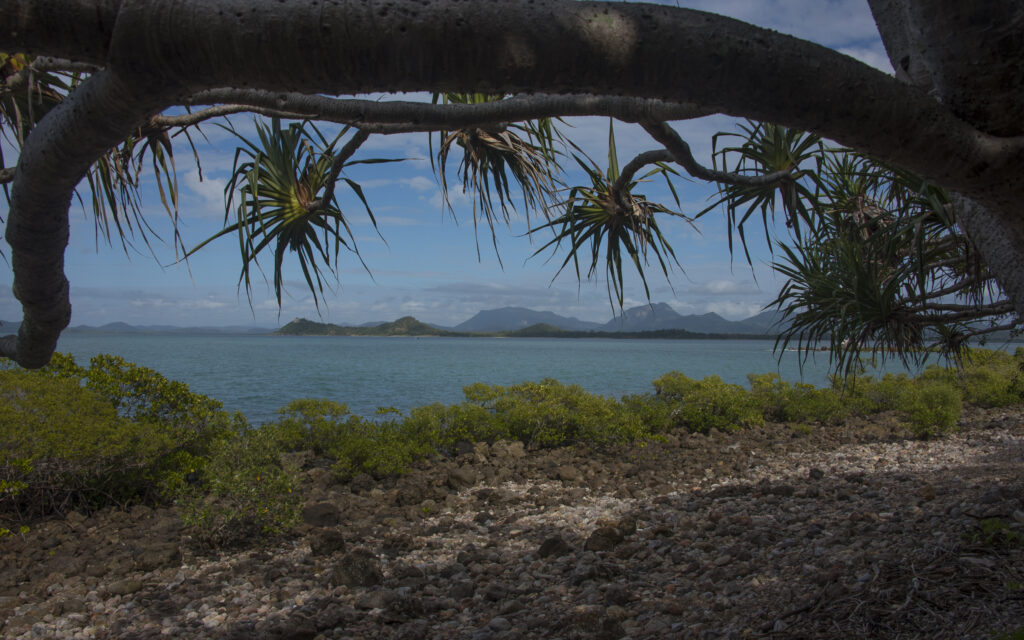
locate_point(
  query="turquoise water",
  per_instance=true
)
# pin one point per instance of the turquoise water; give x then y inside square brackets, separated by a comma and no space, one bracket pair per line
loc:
[259,374]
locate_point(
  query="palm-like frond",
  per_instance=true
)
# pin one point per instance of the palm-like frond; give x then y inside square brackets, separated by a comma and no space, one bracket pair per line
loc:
[615,226]
[27,94]
[886,269]
[764,149]
[279,179]
[497,159]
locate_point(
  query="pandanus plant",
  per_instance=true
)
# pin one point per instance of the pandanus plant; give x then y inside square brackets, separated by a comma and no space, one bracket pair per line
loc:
[29,88]
[765,149]
[885,267]
[284,181]
[609,221]
[497,158]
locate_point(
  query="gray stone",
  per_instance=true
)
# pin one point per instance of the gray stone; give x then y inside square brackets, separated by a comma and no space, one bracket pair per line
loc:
[568,473]
[504,449]
[409,492]
[554,546]
[616,594]
[991,496]
[495,592]
[461,477]
[324,542]
[361,483]
[124,587]
[604,539]
[322,514]
[379,599]
[587,617]
[415,630]
[357,568]
[158,556]
[462,589]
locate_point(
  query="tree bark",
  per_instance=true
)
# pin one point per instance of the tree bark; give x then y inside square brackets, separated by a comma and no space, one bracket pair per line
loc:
[102,111]
[79,30]
[977,75]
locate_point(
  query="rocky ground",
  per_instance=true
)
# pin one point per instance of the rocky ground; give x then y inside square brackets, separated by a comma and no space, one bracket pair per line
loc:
[843,532]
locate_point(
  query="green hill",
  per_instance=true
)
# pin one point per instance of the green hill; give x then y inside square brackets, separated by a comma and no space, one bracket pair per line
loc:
[407,326]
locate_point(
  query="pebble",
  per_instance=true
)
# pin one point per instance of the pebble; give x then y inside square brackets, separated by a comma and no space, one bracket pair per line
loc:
[673,544]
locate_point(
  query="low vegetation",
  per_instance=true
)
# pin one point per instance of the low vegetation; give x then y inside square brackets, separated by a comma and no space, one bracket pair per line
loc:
[115,434]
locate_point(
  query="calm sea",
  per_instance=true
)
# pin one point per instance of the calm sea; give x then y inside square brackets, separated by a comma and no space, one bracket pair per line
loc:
[259,374]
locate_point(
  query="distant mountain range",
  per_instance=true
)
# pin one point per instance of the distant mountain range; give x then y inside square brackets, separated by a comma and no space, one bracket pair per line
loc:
[659,317]
[654,317]
[512,318]
[122,327]
[656,320]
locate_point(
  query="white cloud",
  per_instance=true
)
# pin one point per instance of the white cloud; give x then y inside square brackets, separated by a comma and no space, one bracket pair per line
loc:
[725,288]
[210,193]
[416,183]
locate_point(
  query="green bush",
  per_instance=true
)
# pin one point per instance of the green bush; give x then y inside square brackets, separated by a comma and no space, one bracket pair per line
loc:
[932,407]
[112,434]
[307,425]
[143,395]
[986,378]
[550,414]
[780,401]
[992,378]
[444,426]
[864,395]
[653,412]
[711,403]
[379,447]
[248,493]
[63,447]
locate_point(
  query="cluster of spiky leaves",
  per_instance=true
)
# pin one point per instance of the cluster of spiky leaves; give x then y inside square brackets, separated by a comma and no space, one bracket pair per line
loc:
[764,149]
[281,179]
[609,222]
[495,159]
[882,267]
[28,91]
[874,260]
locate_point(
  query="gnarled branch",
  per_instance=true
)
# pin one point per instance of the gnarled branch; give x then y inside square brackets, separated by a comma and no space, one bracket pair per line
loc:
[681,153]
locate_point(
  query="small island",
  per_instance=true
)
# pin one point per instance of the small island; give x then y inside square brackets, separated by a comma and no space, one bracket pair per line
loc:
[409,326]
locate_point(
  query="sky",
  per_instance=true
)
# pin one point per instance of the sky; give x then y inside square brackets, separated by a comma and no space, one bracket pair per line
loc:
[426,264]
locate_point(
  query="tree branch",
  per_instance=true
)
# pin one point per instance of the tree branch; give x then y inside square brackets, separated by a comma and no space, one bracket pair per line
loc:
[637,163]
[1010,326]
[944,314]
[346,152]
[196,117]
[681,153]
[957,287]
[423,116]
[51,64]
[500,46]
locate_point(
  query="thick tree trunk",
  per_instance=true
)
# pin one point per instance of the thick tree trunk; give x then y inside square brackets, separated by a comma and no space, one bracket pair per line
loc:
[176,48]
[999,238]
[977,74]
[101,112]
